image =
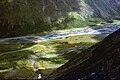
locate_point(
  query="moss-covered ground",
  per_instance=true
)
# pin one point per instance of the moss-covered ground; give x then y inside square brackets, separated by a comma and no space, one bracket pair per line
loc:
[16,65]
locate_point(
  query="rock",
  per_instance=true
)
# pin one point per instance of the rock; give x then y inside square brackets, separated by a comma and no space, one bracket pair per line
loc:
[110,21]
[64,43]
[66,37]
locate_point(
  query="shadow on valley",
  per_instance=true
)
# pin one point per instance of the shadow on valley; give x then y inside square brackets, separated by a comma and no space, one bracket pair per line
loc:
[101,61]
[67,48]
[14,46]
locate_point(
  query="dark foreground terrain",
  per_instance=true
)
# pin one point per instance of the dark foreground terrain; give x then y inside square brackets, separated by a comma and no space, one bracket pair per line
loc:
[99,62]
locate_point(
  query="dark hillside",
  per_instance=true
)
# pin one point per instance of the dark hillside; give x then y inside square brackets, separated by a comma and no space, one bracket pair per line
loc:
[99,62]
[22,17]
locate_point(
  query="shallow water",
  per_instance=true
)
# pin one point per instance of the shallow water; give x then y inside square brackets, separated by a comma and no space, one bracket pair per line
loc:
[108,28]
[50,55]
[32,59]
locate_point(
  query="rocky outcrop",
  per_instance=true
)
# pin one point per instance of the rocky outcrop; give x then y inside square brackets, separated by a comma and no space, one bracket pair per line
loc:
[99,62]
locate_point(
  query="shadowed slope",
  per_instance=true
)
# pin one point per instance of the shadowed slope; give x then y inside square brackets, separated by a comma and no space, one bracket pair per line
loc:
[99,62]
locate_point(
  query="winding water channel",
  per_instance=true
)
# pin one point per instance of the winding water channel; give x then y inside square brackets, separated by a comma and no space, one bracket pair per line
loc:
[105,29]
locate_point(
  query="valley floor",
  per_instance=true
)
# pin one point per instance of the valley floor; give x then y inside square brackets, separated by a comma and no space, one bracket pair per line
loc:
[29,56]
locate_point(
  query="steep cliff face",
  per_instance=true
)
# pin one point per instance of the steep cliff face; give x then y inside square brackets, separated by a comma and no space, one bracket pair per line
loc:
[99,62]
[39,15]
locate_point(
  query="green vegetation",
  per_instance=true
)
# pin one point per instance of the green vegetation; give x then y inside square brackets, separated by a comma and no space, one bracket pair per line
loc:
[16,65]
[14,46]
[70,41]
[75,20]
[37,17]
[41,48]
[99,62]
[62,46]
[18,18]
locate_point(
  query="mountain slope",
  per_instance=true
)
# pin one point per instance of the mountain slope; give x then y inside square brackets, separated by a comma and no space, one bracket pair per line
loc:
[19,16]
[99,62]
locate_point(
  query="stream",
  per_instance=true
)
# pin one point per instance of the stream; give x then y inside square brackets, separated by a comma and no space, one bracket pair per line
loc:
[105,29]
